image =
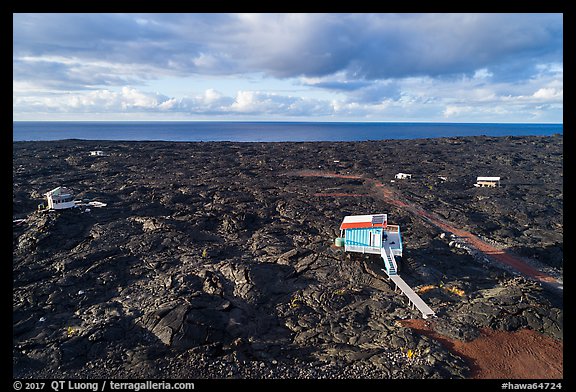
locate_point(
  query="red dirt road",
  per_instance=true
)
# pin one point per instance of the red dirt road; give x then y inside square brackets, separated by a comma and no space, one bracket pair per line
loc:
[391,197]
[522,354]
[340,195]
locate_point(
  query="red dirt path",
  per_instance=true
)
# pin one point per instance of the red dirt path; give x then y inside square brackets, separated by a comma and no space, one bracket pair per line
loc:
[340,195]
[522,354]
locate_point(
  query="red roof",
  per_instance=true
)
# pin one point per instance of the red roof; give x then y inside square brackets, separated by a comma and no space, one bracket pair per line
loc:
[359,225]
[363,221]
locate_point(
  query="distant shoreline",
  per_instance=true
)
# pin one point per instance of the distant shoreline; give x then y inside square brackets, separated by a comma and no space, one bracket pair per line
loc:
[93,141]
[268,131]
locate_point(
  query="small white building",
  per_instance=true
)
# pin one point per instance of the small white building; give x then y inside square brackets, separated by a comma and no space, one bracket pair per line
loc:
[60,198]
[491,182]
[402,176]
[97,153]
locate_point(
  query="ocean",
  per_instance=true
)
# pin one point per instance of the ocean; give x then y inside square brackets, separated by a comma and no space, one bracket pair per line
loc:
[266,131]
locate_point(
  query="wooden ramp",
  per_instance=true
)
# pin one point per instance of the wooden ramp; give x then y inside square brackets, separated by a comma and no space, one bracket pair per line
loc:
[414,298]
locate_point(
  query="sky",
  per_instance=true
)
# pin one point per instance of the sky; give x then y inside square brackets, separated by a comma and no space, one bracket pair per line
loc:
[288,67]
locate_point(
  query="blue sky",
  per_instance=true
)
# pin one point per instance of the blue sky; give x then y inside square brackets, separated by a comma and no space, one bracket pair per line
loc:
[289,67]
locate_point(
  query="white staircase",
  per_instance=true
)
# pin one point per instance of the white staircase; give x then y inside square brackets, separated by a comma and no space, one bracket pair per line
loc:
[389,261]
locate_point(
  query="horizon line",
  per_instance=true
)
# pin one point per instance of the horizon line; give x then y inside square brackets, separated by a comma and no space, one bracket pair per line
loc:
[288,121]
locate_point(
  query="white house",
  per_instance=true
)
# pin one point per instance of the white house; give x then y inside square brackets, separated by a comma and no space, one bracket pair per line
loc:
[402,176]
[97,153]
[60,198]
[491,182]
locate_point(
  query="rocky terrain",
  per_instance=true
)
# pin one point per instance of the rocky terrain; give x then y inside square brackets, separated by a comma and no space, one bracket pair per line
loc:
[214,260]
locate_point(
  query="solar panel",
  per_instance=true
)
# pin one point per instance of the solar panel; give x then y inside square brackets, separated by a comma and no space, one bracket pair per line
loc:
[378,219]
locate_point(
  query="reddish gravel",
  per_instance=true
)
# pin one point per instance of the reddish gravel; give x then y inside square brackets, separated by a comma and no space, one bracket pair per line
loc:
[522,354]
[340,195]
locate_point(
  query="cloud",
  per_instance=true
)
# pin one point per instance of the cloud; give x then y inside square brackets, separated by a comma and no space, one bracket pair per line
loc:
[548,93]
[452,110]
[363,46]
[126,100]
[413,101]
[350,66]
[131,100]
[338,85]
